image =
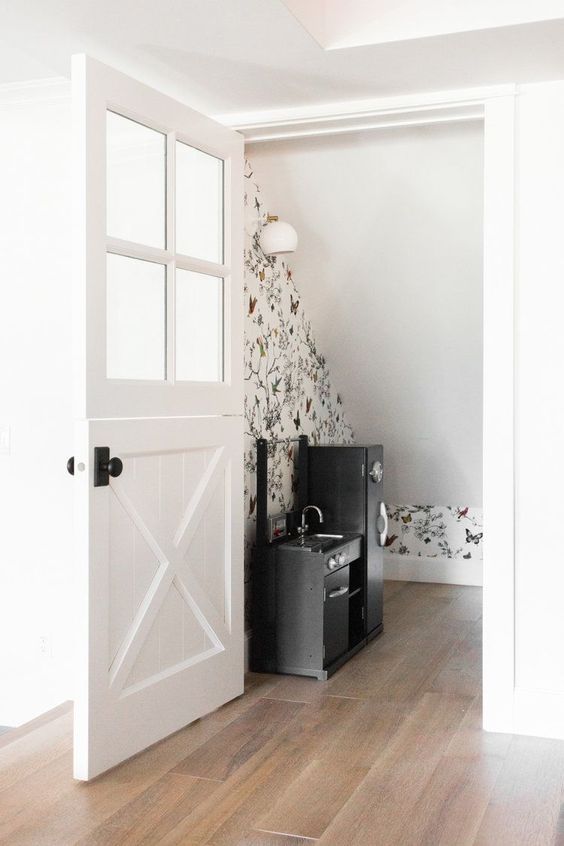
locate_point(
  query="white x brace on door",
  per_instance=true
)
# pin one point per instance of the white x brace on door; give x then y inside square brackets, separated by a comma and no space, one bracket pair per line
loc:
[159,434]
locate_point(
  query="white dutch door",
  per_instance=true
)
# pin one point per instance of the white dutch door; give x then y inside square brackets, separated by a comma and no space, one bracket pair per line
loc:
[158,452]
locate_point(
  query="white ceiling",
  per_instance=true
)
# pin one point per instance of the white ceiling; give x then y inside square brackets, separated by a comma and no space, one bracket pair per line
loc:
[231,56]
[335,24]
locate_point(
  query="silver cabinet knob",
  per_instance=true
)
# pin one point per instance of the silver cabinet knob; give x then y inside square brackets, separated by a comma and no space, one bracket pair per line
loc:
[342,558]
[377,472]
[332,563]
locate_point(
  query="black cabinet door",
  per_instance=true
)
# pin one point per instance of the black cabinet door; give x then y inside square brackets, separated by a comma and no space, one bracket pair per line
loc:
[336,615]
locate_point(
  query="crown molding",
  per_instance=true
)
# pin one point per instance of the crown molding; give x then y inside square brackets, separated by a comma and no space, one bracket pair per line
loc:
[48,90]
[359,115]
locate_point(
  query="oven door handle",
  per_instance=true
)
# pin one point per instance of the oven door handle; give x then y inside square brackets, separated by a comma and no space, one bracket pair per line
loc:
[338,592]
[382,524]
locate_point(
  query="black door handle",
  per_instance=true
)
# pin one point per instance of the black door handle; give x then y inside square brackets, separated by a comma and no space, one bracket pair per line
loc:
[115,467]
[104,467]
[70,465]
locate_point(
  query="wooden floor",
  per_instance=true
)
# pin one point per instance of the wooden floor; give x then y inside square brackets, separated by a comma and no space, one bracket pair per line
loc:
[388,751]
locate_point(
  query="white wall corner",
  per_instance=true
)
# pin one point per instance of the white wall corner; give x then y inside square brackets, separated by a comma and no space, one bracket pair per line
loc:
[539,713]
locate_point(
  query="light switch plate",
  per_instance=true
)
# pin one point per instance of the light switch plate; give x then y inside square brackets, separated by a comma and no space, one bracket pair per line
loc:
[4,438]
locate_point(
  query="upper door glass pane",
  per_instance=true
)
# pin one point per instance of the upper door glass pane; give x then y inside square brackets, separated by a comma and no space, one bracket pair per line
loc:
[136,319]
[136,182]
[199,204]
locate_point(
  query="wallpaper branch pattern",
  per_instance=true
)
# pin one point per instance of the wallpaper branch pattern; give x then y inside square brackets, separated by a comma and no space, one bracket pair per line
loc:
[435,531]
[288,391]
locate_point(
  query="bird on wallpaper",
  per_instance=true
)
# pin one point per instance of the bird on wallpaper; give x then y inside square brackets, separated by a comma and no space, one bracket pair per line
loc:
[309,401]
[288,274]
[252,505]
[462,512]
[294,305]
[260,343]
[262,275]
[257,204]
[470,538]
[252,304]
[468,555]
[391,539]
[297,421]
[276,385]
[290,453]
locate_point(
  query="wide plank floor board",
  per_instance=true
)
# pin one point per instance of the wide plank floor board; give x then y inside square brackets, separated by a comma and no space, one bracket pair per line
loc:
[388,752]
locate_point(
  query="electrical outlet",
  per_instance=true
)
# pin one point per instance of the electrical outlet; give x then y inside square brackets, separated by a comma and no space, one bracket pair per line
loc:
[45,646]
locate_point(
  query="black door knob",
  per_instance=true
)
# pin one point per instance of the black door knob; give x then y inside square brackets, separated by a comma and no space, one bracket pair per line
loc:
[70,465]
[115,467]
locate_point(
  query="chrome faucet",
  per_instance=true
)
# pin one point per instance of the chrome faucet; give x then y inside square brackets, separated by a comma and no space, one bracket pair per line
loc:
[304,524]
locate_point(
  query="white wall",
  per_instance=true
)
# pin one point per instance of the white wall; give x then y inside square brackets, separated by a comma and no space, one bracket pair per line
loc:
[539,606]
[390,263]
[35,402]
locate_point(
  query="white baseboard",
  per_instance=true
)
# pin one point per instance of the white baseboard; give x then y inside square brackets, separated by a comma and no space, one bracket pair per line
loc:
[451,571]
[539,713]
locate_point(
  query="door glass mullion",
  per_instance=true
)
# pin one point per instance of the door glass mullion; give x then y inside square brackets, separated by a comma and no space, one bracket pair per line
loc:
[171,266]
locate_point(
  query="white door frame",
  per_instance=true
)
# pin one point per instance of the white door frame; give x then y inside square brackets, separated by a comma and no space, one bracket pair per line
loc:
[496,107]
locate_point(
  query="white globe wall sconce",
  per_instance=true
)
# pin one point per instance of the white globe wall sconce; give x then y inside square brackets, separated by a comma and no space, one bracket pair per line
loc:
[278,237]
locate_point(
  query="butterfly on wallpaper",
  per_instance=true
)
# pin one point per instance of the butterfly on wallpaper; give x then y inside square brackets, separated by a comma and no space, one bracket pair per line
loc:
[406,518]
[252,304]
[291,330]
[260,343]
[252,505]
[297,421]
[276,385]
[462,512]
[309,401]
[391,539]
[294,305]
[470,538]
[468,555]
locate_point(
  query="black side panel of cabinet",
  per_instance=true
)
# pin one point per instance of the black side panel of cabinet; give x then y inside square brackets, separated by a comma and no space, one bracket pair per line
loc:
[262,657]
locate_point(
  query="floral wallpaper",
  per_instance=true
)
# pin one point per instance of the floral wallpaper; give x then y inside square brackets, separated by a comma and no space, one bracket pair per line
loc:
[288,391]
[435,531]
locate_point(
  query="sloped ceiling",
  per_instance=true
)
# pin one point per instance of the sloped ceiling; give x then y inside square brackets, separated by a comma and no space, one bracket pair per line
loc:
[335,24]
